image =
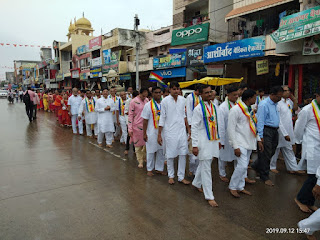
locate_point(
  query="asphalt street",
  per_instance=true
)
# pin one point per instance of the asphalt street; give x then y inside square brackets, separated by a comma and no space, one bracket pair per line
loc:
[55,185]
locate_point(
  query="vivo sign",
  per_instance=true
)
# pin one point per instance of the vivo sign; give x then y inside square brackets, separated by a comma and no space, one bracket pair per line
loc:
[189,32]
[172,73]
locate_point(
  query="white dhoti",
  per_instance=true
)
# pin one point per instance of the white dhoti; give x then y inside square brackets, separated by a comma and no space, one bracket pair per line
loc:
[311,224]
[181,167]
[74,124]
[289,158]
[157,164]
[124,129]
[193,163]
[237,181]
[89,129]
[108,135]
[203,178]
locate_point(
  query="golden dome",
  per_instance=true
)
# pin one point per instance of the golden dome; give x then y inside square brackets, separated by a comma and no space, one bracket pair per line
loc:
[83,23]
[72,27]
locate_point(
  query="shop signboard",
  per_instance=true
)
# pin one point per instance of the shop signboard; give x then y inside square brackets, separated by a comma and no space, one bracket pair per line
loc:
[171,73]
[299,25]
[82,49]
[95,72]
[170,61]
[95,43]
[192,34]
[246,48]
[107,67]
[125,77]
[262,67]
[311,46]
[75,73]
[83,76]
[60,77]
[195,55]
[96,62]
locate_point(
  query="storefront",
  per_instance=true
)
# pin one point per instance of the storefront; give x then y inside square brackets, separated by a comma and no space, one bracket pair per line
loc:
[298,36]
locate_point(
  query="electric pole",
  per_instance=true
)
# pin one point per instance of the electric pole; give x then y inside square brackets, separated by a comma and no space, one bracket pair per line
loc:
[136,24]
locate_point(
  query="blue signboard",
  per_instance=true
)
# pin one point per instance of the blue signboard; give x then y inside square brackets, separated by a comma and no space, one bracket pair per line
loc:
[82,49]
[246,48]
[171,73]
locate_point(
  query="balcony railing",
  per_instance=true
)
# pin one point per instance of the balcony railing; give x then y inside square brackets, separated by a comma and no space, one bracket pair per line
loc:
[196,20]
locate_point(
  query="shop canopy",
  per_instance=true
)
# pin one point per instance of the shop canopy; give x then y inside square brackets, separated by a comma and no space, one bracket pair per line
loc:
[213,81]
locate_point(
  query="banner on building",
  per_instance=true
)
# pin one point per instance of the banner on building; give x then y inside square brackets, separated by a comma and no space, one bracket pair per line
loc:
[83,76]
[299,25]
[95,72]
[195,55]
[170,61]
[59,77]
[125,77]
[311,46]
[192,34]
[95,43]
[96,62]
[246,48]
[262,67]
[75,73]
[107,67]
[82,49]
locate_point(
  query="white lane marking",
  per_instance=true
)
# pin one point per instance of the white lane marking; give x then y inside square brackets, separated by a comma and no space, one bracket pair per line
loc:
[108,151]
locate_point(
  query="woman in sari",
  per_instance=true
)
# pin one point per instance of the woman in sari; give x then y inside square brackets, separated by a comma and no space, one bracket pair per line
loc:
[45,100]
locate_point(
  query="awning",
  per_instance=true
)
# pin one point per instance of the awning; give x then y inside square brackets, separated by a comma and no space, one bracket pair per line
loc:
[255,7]
[211,81]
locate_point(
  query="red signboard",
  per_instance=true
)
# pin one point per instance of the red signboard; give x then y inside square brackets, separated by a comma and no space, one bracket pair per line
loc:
[95,43]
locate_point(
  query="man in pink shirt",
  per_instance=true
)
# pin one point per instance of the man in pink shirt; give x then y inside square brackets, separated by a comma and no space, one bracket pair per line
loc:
[135,124]
[28,99]
[36,102]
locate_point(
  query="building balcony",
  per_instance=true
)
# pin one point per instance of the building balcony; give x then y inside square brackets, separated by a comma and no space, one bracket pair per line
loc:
[196,20]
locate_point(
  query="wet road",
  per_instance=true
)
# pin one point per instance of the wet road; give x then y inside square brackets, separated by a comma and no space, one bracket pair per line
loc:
[54,185]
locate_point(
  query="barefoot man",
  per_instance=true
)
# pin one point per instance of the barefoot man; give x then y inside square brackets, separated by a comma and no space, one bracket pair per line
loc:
[121,118]
[227,153]
[151,116]
[307,131]
[104,108]
[173,123]
[243,137]
[205,132]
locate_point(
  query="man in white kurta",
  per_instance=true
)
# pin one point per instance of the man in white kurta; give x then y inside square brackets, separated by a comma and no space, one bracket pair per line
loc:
[227,152]
[74,103]
[174,124]
[104,108]
[286,135]
[151,116]
[114,98]
[206,128]
[87,108]
[307,132]
[121,117]
[192,101]
[242,133]
[311,224]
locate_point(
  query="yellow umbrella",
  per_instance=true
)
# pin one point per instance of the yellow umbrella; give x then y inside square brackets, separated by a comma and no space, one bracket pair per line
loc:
[211,81]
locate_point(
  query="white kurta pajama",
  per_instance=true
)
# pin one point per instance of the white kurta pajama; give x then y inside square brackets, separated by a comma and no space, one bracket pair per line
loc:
[120,106]
[240,136]
[115,101]
[306,131]
[207,149]
[285,129]
[152,146]
[226,153]
[190,105]
[74,102]
[174,134]
[105,120]
[90,117]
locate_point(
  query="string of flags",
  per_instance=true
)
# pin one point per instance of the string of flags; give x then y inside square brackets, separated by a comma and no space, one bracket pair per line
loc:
[23,45]
[6,67]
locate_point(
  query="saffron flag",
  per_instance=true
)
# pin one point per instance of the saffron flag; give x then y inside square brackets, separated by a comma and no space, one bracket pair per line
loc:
[156,78]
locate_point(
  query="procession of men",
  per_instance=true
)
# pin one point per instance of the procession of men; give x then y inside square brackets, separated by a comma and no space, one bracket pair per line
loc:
[165,128]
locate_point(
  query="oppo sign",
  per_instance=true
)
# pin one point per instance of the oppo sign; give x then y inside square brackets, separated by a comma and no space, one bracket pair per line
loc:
[189,32]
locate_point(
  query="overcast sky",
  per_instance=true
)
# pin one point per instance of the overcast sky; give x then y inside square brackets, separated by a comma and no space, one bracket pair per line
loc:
[38,22]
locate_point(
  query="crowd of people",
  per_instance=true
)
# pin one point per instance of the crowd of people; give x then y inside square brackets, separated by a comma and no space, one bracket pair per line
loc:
[163,126]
